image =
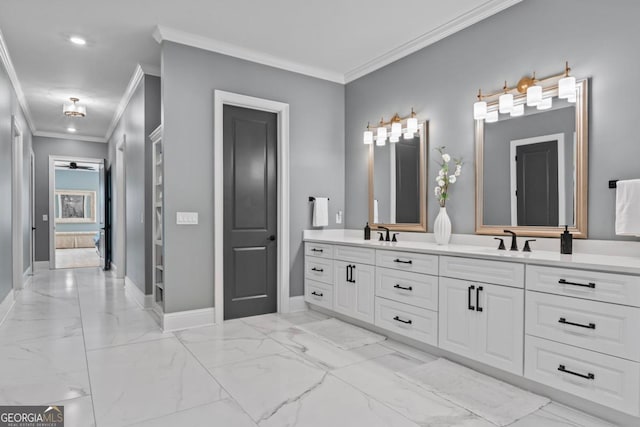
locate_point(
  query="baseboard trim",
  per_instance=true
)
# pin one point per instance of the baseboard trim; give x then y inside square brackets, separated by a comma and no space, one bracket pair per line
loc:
[40,266]
[6,305]
[297,304]
[144,301]
[188,319]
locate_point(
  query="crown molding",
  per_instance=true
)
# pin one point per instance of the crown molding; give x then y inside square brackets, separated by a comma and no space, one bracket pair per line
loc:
[459,23]
[74,137]
[136,78]
[17,87]
[163,33]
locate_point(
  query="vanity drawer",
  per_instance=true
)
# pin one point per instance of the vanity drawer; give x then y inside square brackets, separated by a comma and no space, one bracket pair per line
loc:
[607,287]
[604,379]
[321,250]
[598,326]
[479,270]
[408,261]
[403,319]
[354,254]
[416,289]
[318,293]
[318,269]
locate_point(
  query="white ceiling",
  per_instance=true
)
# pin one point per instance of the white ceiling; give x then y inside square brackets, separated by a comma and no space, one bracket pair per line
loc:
[336,40]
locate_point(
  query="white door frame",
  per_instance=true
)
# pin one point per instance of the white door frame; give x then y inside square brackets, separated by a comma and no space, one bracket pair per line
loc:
[52,197]
[17,235]
[121,210]
[32,210]
[559,137]
[222,98]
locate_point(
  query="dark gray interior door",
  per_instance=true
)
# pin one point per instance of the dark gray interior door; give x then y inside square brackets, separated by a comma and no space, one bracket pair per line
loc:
[537,175]
[250,212]
[408,181]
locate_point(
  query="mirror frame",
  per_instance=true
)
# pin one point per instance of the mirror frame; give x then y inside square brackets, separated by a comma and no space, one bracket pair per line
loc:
[579,230]
[423,129]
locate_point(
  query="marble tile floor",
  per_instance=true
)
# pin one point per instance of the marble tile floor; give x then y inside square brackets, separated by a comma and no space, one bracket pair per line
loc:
[75,338]
[77,258]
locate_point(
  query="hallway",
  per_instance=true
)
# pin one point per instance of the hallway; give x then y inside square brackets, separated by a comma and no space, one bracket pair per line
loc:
[75,338]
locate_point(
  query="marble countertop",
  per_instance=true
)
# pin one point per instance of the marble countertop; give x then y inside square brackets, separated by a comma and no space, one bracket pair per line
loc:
[589,261]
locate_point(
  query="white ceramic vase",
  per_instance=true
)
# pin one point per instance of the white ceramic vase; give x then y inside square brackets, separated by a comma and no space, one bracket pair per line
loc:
[442,227]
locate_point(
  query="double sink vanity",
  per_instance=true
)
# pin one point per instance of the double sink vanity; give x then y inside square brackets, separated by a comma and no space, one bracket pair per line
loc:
[565,321]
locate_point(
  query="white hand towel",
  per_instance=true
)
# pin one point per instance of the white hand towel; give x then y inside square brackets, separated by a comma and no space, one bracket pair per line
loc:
[628,208]
[321,212]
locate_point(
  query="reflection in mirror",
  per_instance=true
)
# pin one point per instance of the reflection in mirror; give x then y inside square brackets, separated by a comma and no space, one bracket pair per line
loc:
[532,169]
[397,183]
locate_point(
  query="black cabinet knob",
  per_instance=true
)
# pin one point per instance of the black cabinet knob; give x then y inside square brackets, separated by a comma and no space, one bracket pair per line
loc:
[272,238]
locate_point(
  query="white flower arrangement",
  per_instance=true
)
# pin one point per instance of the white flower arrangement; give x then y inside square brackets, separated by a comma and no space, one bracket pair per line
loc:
[443,179]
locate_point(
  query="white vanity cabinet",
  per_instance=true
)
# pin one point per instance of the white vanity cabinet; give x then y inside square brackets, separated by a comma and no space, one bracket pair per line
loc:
[483,322]
[582,334]
[354,286]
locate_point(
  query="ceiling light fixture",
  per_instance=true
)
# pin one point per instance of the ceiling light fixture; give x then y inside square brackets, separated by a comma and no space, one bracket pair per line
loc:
[77,40]
[74,109]
[393,129]
[532,90]
[71,130]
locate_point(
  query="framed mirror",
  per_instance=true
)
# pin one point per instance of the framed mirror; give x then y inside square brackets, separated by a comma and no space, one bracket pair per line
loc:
[531,170]
[397,183]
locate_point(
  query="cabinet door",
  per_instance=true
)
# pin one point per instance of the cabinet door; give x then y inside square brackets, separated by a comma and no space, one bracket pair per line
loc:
[500,319]
[457,318]
[354,290]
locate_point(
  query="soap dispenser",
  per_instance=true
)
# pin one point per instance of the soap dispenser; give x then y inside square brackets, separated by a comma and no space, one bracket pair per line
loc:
[367,232]
[566,241]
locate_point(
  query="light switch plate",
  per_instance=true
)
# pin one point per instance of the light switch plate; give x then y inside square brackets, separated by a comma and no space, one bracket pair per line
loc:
[45,218]
[339,217]
[187,218]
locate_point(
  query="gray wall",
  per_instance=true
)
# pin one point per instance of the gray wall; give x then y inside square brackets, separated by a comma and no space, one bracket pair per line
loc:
[441,81]
[84,180]
[10,108]
[497,162]
[44,147]
[189,78]
[140,117]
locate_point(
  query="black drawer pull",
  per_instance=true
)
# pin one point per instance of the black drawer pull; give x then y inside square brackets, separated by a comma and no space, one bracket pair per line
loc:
[589,376]
[317,294]
[319,270]
[406,322]
[588,285]
[402,261]
[480,288]
[589,326]
[469,290]
[317,250]
[407,288]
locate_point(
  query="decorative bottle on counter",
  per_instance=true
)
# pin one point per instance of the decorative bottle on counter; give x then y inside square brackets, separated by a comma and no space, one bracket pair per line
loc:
[566,241]
[367,232]
[442,227]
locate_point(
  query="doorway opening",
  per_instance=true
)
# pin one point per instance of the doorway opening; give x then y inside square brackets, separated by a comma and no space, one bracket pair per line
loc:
[221,223]
[76,212]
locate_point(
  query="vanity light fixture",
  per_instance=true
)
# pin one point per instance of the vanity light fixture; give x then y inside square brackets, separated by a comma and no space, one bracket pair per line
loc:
[74,109]
[518,110]
[533,88]
[393,130]
[492,117]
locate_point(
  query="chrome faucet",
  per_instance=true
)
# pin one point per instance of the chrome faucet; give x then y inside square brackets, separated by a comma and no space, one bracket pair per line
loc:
[514,242]
[387,237]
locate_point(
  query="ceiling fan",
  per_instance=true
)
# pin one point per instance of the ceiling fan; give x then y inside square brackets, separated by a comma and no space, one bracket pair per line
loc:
[74,166]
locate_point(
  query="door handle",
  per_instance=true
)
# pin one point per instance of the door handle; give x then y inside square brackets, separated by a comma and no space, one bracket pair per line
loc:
[469,290]
[406,322]
[589,375]
[271,238]
[584,285]
[480,288]
[33,229]
[351,279]
[348,270]
[564,321]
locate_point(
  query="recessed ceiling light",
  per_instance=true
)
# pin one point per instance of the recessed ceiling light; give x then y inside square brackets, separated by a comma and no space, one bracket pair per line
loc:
[78,40]
[71,129]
